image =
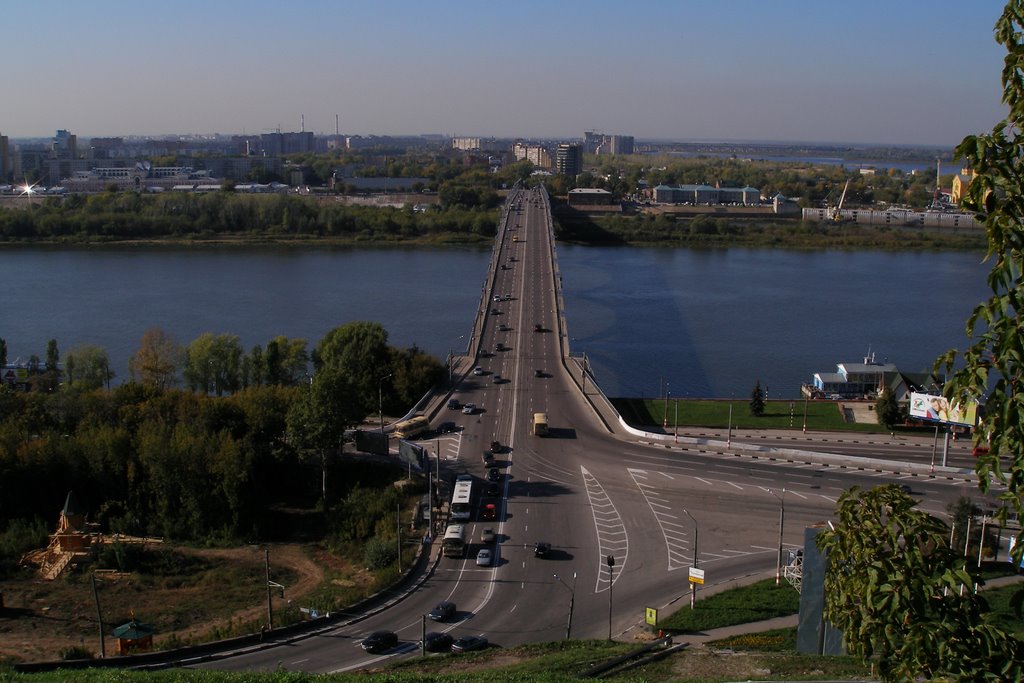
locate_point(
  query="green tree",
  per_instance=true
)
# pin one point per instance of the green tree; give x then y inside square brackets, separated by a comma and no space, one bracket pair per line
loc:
[904,599]
[213,364]
[757,400]
[156,361]
[359,352]
[991,369]
[3,352]
[888,410]
[52,356]
[88,367]
[321,414]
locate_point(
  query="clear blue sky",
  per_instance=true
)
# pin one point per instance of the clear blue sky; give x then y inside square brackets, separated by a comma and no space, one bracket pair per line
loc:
[871,71]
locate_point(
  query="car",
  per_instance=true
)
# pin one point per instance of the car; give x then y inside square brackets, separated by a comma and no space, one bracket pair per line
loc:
[468,408]
[492,489]
[490,512]
[478,371]
[444,611]
[453,404]
[541,549]
[499,347]
[905,488]
[446,428]
[437,642]
[538,373]
[484,558]
[497,379]
[487,535]
[980,449]
[537,327]
[497,297]
[469,643]
[495,447]
[493,474]
[484,353]
[488,459]
[495,311]
[379,641]
[465,476]
[503,328]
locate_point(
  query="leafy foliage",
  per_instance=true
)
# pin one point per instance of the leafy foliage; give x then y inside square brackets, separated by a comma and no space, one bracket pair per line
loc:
[991,369]
[903,597]
[888,411]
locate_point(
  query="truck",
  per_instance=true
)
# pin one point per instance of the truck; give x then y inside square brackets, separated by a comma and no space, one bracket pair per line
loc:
[540,424]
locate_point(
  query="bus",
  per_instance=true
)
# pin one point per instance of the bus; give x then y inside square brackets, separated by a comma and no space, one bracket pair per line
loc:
[540,424]
[411,428]
[454,543]
[461,501]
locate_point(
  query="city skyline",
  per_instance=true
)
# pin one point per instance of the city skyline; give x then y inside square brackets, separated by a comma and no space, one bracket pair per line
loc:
[869,73]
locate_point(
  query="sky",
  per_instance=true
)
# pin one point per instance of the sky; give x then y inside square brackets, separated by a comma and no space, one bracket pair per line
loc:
[904,72]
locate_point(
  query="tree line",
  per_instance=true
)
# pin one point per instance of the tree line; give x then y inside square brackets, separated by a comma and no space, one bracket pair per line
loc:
[112,216]
[195,447]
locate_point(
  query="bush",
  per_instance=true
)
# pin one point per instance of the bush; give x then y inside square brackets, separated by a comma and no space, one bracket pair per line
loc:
[380,553]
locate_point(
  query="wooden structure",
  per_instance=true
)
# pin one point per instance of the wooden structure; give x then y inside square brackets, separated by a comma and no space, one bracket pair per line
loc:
[133,637]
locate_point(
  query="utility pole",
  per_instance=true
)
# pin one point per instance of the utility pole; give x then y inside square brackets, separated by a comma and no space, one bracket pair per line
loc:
[270,604]
[99,616]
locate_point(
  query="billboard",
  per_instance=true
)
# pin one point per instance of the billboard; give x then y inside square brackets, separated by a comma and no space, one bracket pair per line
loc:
[935,408]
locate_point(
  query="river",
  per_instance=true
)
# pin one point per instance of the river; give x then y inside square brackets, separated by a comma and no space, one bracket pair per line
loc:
[701,322]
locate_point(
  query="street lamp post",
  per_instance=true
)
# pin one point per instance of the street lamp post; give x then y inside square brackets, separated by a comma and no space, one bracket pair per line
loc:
[451,356]
[380,400]
[675,422]
[728,438]
[693,586]
[782,521]
[572,602]
[805,414]
[610,560]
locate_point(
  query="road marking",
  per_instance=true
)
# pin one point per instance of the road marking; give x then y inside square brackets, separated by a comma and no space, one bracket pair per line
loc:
[611,532]
[675,539]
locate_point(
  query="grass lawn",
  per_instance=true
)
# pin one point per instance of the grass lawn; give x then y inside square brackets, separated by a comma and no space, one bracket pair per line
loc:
[821,415]
[756,602]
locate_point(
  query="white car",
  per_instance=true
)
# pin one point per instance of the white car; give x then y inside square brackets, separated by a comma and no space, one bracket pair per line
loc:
[478,371]
[468,408]
[483,558]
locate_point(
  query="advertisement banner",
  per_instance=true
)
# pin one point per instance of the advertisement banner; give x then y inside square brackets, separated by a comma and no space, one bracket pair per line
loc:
[935,408]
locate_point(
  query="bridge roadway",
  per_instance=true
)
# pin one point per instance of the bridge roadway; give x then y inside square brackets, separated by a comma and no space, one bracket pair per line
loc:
[593,489]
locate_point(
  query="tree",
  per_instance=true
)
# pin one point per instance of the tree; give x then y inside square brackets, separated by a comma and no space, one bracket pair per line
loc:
[156,361]
[213,364]
[888,410]
[359,352]
[991,369]
[3,352]
[317,420]
[88,367]
[757,400]
[904,598]
[52,356]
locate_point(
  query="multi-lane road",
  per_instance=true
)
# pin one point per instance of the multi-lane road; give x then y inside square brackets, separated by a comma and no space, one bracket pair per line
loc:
[591,492]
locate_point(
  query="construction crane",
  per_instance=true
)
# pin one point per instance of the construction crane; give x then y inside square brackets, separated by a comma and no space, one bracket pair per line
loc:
[836,215]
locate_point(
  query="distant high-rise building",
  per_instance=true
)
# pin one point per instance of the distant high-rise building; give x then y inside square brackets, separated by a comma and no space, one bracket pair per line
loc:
[277,144]
[599,143]
[569,159]
[65,145]
[6,162]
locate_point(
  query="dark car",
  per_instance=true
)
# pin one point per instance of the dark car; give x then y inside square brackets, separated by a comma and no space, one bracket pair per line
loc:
[541,549]
[490,512]
[437,642]
[538,373]
[495,447]
[379,641]
[443,612]
[469,643]
[446,428]
[493,474]
[493,489]
[488,459]
[538,327]
[453,404]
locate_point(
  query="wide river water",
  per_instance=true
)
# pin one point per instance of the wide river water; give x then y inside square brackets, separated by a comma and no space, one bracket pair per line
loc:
[703,323]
